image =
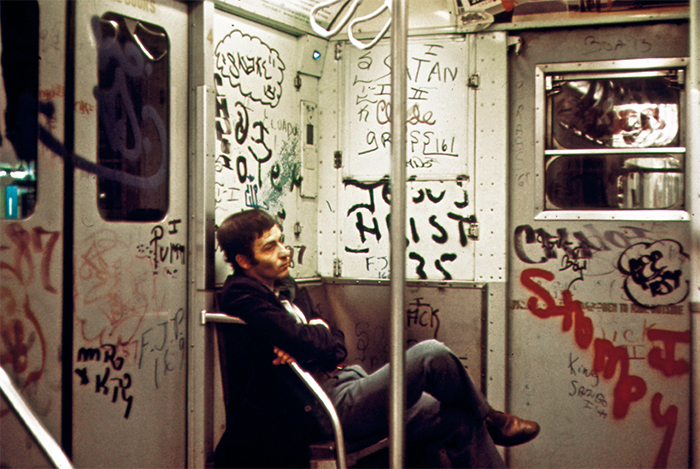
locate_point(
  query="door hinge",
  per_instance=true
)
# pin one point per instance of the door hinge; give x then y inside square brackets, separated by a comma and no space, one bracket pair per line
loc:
[473,232]
[338,50]
[473,81]
[515,43]
[337,267]
[338,159]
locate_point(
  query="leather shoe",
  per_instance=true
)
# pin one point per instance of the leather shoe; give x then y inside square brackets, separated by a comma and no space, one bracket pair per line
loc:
[509,430]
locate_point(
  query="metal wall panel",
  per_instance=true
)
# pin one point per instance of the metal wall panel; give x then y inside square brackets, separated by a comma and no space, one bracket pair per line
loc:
[456,160]
[130,355]
[593,359]
[451,313]
[260,134]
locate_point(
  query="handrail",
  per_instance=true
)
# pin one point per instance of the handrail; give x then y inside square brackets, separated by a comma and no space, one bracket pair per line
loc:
[325,33]
[310,383]
[320,394]
[35,427]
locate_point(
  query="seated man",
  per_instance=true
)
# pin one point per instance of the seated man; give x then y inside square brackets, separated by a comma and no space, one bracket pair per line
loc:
[448,421]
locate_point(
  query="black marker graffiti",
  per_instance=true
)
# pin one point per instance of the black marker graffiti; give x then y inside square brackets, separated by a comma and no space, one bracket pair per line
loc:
[106,382]
[257,73]
[654,273]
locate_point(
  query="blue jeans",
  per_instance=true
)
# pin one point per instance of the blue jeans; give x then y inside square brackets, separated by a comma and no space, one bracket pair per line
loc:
[445,412]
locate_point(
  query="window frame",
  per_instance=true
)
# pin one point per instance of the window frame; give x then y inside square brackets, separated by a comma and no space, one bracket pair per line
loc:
[601,69]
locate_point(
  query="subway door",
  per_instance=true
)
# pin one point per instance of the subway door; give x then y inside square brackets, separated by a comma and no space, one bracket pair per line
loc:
[31,220]
[129,355]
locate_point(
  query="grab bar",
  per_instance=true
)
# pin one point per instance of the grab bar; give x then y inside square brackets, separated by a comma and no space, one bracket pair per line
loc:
[35,427]
[325,33]
[310,383]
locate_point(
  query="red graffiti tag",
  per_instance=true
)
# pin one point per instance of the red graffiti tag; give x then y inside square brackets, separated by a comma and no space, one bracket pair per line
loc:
[629,388]
[25,242]
[667,362]
[667,420]
[571,310]
[19,338]
[608,358]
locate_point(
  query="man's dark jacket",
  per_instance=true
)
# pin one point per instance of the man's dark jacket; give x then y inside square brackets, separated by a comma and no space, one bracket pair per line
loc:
[270,416]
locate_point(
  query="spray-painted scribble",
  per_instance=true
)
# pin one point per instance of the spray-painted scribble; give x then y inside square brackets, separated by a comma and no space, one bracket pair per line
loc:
[115,288]
[253,141]
[612,361]
[668,420]
[285,172]
[165,255]
[423,315]
[664,358]
[440,224]
[654,273]
[252,66]
[434,141]
[23,342]
[538,246]
[26,263]
[23,245]
[570,311]
[584,387]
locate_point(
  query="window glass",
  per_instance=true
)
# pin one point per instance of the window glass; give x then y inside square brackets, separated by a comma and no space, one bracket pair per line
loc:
[133,97]
[615,113]
[19,107]
[614,140]
[611,181]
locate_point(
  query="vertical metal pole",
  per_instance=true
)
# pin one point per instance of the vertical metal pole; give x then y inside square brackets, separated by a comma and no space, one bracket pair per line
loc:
[33,424]
[693,200]
[398,230]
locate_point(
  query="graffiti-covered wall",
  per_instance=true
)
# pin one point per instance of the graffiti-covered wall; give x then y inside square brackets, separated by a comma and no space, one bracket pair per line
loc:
[259,133]
[31,249]
[131,229]
[455,159]
[599,333]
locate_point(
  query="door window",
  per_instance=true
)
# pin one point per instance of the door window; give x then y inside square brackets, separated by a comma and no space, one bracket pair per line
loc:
[133,97]
[613,135]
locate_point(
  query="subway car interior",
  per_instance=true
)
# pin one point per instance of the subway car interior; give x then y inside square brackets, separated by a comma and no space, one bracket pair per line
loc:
[532,162]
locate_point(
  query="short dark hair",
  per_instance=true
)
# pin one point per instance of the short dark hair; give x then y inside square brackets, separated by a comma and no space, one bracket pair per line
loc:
[238,233]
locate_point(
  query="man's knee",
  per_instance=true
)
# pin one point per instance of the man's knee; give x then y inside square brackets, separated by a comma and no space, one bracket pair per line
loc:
[431,348]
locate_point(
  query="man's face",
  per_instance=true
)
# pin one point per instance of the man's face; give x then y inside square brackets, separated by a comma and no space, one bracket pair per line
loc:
[271,257]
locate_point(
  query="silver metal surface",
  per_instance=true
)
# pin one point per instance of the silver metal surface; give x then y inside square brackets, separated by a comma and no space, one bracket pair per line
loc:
[42,436]
[617,151]
[598,21]
[693,192]
[641,215]
[615,65]
[399,44]
[201,434]
[409,283]
[160,283]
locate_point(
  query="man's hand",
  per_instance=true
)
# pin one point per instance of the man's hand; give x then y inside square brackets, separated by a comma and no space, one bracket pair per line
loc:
[282,358]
